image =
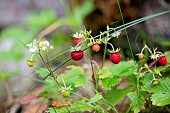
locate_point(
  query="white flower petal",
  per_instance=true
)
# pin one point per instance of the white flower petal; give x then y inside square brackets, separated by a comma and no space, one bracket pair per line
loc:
[32,50]
[35,41]
[44,48]
[47,43]
[40,44]
[78,35]
[29,45]
[117,33]
[33,47]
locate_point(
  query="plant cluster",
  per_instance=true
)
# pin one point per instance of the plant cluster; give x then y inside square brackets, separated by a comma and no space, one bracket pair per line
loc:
[145,80]
[148,83]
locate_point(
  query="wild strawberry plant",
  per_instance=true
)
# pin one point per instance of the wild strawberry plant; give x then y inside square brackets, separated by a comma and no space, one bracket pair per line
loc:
[75,90]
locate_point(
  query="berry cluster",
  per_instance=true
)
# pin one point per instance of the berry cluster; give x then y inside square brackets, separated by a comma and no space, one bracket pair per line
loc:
[154,55]
[77,54]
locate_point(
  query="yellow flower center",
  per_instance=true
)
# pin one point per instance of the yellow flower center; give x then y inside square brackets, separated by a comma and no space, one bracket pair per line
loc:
[43,43]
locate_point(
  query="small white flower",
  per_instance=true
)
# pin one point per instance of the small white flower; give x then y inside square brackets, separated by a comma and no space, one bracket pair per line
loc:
[78,35]
[44,44]
[155,56]
[116,34]
[66,88]
[33,46]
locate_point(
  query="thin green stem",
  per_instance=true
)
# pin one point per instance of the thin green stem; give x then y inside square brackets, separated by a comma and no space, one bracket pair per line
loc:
[50,68]
[54,109]
[129,109]
[27,93]
[44,61]
[52,59]
[127,36]
[93,74]
[110,104]
[104,55]
[134,22]
[138,86]
[97,75]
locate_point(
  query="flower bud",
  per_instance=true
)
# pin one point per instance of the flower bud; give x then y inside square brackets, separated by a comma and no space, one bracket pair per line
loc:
[140,56]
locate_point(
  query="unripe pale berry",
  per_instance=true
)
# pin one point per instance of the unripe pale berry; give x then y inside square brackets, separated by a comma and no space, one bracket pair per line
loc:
[30,63]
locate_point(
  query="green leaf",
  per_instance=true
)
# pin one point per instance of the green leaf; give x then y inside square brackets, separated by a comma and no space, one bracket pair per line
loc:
[168,57]
[82,80]
[95,98]
[132,80]
[161,92]
[43,72]
[110,81]
[74,76]
[163,86]
[50,89]
[147,78]
[104,73]
[58,110]
[77,106]
[138,100]
[74,71]
[160,99]
[80,106]
[123,69]
[116,95]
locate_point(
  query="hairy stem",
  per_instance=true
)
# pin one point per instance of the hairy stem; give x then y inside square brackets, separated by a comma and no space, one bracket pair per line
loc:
[49,68]
[104,55]
[138,86]
[93,74]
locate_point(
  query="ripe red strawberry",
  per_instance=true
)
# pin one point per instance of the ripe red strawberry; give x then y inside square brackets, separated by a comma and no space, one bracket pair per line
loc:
[96,47]
[77,55]
[162,60]
[77,40]
[115,57]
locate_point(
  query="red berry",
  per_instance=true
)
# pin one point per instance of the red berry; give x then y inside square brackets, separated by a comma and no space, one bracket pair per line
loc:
[162,60]
[115,57]
[96,47]
[77,55]
[77,40]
